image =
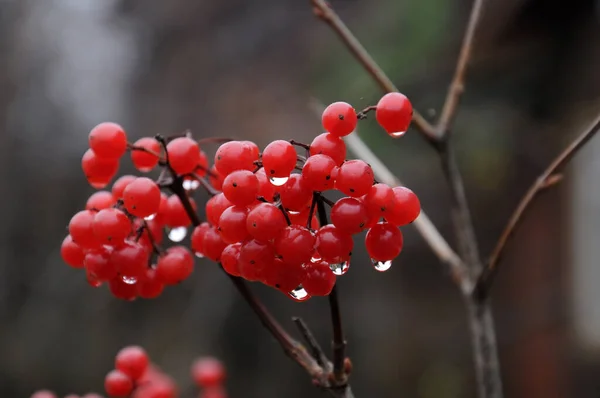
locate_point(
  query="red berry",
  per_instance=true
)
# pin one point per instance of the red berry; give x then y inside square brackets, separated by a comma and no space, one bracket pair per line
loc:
[82,231]
[118,384]
[265,222]
[202,166]
[100,200]
[111,226]
[123,288]
[213,244]
[349,215]
[99,266]
[141,197]
[384,242]
[236,155]
[255,257]
[279,159]
[142,160]
[120,184]
[72,253]
[330,145]
[213,392]
[133,361]
[241,187]
[232,224]
[295,244]
[208,372]
[149,286]
[43,394]
[108,140]
[283,276]
[175,214]
[394,113]
[197,239]
[230,257]
[354,178]
[379,201]
[318,279]
[215,206]
[339,119]
[294,194]
[130,259]
[215,178]
[265,188]
[183,154]
[98,171]
[317,172]
[175,266]
[406,207]
[334,245]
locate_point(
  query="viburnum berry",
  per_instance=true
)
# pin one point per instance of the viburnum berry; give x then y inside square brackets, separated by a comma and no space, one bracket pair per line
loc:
[123,288]
[100,200]
[279,159]
[334,245]
[265,222]
[384,241]
[255,257]
[215,206]
[147,158]
[98,171]
[148,231]
[230,257]
[294,194]
[71,253]
[130,259]
[175,214]
[98,264]
[339,119]
[394,113]
[330,145]
[120,184]
[141,197]
[197,239]
[232,224]
[213,392]
[301,218]
[283,276]
[349,215]
[175,266]
[215,178]
[317,172]
[118,384]
[295,244]
[265,188]
[354,178]
[236,155]
[213,244]
[111,226]
[163,387]
[318,279]
[183,154]
[241,187]
[82,231]
[406,207]
[149,286]
[208,372]
[133,361]
[108,140]
[379,201]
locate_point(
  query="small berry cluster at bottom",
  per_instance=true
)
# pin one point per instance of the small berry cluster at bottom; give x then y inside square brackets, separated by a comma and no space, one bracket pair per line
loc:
[135,376]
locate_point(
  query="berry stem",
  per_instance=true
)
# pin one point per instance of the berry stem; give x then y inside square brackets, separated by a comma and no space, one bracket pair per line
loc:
[206,185]
[300,144]
[311,212]
[363,114]
[132,147]
[310,339]
[285,214]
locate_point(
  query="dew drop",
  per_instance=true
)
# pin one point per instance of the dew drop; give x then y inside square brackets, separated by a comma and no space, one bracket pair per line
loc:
[397,134]
[293,212]
[177,234]
[190,185]
[150,217]
[299,294]
[340,268]
[278,181]
[130,280]
[381,266]
[199,255]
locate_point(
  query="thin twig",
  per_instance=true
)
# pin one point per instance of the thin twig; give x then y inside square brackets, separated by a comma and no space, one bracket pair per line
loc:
[548,178]
[312,342]
[363,114]
[458,81]
[326,13]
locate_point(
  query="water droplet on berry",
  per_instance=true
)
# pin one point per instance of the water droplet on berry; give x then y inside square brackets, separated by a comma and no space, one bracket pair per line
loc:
[199,255]
[299,294]
[293,212]
[150,217]
[397,134]
[278,181]
[340,268]
[190,185]
[130,280]
[381,266]
[315,259]
[177,234]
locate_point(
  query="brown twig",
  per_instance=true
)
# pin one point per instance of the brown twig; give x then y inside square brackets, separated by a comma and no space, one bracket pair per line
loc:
[326,13]
[312,342]
[363,114]
[548,178]
[458,81]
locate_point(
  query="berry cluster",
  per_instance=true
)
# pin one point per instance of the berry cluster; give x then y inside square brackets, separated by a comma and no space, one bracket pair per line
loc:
[135,377]
[266,221]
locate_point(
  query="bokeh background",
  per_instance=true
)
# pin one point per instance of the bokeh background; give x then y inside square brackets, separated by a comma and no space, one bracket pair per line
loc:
[250,70]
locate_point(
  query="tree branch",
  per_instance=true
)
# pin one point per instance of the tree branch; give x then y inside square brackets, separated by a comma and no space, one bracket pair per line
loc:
[458,81]
[326,13]
[548,178]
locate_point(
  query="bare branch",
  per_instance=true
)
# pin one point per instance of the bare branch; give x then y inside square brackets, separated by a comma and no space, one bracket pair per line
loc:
[324,11]
[548,178]
[458,81]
